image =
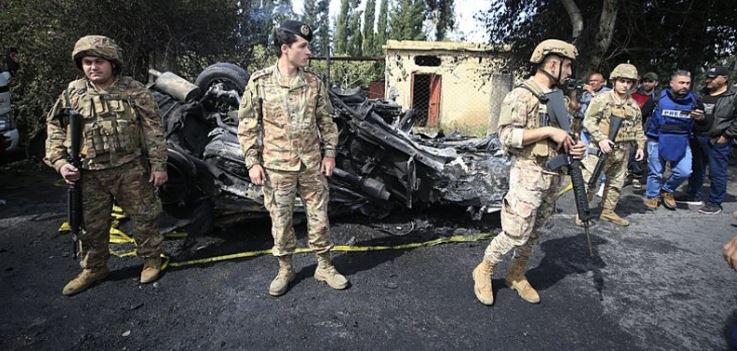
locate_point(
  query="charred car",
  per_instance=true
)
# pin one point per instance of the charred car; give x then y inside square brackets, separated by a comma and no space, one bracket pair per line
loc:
[381,165]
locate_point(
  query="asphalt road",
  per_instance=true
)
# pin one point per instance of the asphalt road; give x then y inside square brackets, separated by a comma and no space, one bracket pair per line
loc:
[660,284]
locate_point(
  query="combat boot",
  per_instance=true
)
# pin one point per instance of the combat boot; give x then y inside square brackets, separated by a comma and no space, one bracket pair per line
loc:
[151,269]
[579,222]
[482,282]
[326,272]
[517,281]
[84,279]
[652,203]
[610,216]
[668,200]
[280,284]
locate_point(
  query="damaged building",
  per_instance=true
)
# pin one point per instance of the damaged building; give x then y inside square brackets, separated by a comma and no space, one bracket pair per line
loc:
[451,86]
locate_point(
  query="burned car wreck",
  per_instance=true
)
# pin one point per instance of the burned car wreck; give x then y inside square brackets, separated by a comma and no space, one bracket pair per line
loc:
[381,165]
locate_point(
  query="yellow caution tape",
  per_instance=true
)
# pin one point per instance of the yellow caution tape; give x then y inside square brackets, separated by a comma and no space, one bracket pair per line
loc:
[117,236]
[337,248]
[566,189]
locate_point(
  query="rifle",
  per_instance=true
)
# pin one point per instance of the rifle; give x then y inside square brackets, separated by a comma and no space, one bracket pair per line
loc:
[573,167]
[615,122]
[74,190]
[556,108]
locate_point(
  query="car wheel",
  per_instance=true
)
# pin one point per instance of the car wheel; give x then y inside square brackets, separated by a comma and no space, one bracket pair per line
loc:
[231,76]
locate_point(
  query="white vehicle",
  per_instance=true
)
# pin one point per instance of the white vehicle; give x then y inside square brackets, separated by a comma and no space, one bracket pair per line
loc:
[8,130]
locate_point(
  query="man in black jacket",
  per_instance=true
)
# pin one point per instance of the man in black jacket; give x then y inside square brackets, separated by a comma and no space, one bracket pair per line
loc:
[714,141]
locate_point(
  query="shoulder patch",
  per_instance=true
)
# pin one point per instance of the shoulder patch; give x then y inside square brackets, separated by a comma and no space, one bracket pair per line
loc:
[78,86]
[262,73]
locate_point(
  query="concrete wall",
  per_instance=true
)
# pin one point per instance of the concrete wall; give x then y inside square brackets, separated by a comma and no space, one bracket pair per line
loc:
[468,81]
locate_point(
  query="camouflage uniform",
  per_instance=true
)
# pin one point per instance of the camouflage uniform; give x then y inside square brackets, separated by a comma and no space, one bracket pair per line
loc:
[630,134]
[122,142]
[533,191]
[292,118]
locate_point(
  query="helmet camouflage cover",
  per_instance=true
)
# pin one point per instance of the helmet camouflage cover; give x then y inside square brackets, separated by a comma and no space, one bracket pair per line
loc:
[624,70]
[553,46]
[98,46]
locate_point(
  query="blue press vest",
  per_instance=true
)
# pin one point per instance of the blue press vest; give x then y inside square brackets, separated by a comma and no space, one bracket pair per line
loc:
[672,125]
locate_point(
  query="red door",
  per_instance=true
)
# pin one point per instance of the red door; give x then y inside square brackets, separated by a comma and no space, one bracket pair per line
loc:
[433,108]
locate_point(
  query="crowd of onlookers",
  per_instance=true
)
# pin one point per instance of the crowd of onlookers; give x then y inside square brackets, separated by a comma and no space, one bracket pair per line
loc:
[691,131]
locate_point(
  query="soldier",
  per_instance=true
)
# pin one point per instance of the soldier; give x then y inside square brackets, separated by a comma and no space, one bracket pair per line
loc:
[289,106]
[619,102]
[529,133]
[124,157]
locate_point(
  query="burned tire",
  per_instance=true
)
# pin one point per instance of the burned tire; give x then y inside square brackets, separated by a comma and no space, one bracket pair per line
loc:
[231,76]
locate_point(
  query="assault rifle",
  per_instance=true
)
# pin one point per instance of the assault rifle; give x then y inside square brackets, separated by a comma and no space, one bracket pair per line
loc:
[573,166]
[556,108]
[74,190]
[615,122]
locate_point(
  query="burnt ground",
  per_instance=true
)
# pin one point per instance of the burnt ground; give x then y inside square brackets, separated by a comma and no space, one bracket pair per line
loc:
[659,284]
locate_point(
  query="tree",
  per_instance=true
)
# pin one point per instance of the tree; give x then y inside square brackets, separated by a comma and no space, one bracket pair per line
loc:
[442,14]
[654,35]
[283,11]
[181,36]
[369,16]
[315,14]
[259,21]
[341,28]
[355,45]
[382,28]
[407,19]
[323,27]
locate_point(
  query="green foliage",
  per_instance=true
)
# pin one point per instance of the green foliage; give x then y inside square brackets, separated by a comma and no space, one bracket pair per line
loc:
[181,36]
[341,28]
[369,16]
[382,27]
[355,44]
[442,14]
[654,35]
[261,57]
[406,20]
[317,16]
[348,74]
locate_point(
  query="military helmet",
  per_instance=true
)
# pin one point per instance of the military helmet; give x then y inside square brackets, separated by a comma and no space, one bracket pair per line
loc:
[553,46]
[624,70]
[99,46]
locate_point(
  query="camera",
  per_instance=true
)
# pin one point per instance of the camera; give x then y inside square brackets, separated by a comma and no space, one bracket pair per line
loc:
[574,85]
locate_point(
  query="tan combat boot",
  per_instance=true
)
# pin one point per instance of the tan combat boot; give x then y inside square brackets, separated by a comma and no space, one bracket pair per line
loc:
[482,282]
[668,200]
[84,279]
[610,216]
[326,272]
[652,203]
[286,275]
[151,269]
[517,281]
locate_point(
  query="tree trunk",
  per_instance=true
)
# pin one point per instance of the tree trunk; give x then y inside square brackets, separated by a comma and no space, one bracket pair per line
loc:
[606,31]
[574,13]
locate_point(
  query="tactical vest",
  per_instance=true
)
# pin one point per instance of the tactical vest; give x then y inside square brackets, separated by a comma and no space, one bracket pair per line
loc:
[111,132]
[545,147]
[627,110]
[674,125]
